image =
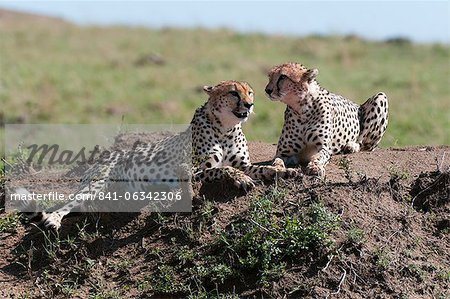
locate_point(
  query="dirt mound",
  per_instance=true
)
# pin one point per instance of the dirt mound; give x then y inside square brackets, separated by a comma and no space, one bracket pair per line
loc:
[431,190]
[376,227]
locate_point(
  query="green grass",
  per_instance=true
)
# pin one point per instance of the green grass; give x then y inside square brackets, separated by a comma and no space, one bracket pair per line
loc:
[265,241]
[9,222]
[382,258]
[355,235]
[66,74]
[257,248]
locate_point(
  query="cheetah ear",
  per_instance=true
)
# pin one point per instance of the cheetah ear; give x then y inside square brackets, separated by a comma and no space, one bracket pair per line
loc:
[208,89]
[310,75]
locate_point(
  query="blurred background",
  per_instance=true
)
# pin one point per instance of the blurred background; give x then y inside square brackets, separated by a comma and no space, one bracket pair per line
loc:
[145,62]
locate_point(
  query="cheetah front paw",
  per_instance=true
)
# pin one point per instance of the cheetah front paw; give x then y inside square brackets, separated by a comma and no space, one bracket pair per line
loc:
[278,163]
[283,172]
[244,182]
[315,170]
[53,222]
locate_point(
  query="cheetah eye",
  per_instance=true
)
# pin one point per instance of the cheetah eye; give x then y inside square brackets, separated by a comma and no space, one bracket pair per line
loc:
[235,94]
[281,78]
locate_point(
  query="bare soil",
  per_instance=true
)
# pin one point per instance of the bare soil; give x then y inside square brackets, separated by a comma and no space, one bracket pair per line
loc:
[395,202]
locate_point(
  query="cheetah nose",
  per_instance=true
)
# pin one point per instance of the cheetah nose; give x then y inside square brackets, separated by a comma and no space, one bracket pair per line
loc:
[269,90]
[248,105]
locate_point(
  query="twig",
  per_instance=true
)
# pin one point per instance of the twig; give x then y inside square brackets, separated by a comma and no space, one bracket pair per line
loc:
[259,225]
[30,259]
[426,189]
[328,263]
[341,281]
[439,165]
[389,238]
[293,203]
[6,162]
[332,255]
[349,264]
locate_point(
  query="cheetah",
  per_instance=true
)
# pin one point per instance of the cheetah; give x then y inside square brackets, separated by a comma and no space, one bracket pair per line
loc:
[318,123]
[219,152]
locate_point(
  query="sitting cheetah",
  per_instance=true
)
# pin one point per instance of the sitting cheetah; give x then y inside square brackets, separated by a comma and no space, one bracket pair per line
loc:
[218,144]
[318,123]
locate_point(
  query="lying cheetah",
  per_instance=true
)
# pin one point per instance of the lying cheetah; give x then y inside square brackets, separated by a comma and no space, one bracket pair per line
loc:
[317,123]
[219,150]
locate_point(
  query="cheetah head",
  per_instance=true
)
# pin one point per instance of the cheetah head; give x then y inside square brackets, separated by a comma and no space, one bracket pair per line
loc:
[290,83]
[230,101]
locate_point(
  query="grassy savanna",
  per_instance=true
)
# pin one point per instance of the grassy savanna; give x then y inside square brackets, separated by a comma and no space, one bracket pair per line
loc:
[373,227]
[55,72]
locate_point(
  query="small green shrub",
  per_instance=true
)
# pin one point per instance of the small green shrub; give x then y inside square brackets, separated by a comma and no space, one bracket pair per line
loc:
[355,235]
[267,238]
[382,258]
[444,276]
[164,281]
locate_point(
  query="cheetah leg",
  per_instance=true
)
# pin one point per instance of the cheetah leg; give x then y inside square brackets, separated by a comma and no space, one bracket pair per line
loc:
[351,147]
[49,220]
[373,121]
[316,166]
[239,178]
[289,151]
[270,172]
[88,191]
[53,220]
